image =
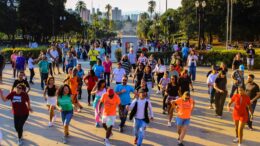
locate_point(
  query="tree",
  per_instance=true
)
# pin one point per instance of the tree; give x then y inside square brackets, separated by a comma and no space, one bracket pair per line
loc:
[151,7]
[80,5]
[108,14]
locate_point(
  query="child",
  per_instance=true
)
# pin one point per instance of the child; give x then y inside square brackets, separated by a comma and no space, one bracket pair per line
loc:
[51,99]
[73,81]
[31,67]
[139,111]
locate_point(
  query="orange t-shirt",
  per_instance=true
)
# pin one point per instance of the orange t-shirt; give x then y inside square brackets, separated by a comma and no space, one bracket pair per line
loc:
[184,108]
[110,105]
[73,83]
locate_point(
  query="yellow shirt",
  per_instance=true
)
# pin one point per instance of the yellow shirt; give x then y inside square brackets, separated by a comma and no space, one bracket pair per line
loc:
[93,55]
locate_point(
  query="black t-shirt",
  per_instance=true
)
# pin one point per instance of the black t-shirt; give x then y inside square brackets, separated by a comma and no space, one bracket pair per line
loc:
[148,77]
[172,90]
[24,82]
[252,89]
[221,83]
[237,63]
[184,84]
[250,53]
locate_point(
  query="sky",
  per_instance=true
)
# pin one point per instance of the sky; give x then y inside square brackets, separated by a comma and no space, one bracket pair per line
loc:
[127,6]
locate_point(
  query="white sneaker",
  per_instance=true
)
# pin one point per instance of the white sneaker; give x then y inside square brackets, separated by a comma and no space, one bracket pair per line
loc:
[107,143]
[54,118]
[50,124]
[169,124]
[235,140]
[20,142]
[158,92]
[79,110]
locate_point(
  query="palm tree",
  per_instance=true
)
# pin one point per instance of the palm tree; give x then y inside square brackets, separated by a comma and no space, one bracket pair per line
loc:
[81,5]
[144,16]
[151,8]
[108,12]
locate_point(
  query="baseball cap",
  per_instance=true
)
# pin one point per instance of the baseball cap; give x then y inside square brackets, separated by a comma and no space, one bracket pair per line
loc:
[110,92]
[242,67]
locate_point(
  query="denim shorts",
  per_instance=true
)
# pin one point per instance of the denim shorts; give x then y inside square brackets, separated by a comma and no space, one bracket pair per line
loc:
[66,117]
[182,122]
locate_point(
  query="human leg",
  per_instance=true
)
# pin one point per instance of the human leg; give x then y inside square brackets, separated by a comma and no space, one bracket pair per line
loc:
[241,126]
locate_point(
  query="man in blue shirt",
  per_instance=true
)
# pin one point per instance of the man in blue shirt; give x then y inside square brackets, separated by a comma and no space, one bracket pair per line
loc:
[80,74]
[99,69]
[185,52]
[124,90]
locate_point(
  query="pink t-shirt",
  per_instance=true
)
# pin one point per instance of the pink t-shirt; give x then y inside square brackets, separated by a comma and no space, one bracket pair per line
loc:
[107,66]
[13,57]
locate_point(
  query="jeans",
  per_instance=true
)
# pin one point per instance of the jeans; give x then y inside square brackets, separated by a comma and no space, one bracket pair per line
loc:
[249,122]
[192,72]
[66,117]
[107,78]
[220,99]
[212,92]
[31,74]
[122,114]
[89,96]
[139,130]
[19,123]
[233,90]
[44,77]
[149,86]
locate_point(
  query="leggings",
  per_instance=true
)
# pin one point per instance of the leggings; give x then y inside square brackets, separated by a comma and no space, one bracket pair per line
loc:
[89,96]
[18,124]
[31,74]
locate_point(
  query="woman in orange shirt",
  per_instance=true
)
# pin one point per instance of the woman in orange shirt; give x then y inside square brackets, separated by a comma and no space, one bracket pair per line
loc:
[73,81]
[184,106]
[240,114]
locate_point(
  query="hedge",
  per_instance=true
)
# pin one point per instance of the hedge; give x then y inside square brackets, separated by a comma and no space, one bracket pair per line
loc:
[212,57]
[35,51]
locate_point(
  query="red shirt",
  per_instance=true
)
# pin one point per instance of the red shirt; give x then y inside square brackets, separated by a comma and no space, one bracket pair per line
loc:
[91,81]
[19,101]
[178,69]
[107,66]
[240,108]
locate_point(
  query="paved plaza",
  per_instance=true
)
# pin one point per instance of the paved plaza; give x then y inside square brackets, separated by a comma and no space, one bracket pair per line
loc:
[205,128]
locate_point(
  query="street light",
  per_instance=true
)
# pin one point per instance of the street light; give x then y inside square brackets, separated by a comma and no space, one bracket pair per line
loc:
[13,5]
[62,19]
[200,16]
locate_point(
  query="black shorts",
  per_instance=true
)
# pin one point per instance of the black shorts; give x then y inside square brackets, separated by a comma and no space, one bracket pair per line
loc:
[133,66]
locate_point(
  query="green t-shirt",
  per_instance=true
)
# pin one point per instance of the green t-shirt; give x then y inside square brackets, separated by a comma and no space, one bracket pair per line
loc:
[44,66]
[93,54]
[65,103]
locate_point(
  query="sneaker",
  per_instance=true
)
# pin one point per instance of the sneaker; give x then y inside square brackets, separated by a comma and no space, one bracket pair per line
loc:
[164,112]
[158,92]
[251,128]
[235,140]
[180,144]
[20,142]
[135,142]
[54,118]
[107,143]
[50,124]
[169,124]
[97,125]
[211,107]
[64,140]
[79,110]
[220,117]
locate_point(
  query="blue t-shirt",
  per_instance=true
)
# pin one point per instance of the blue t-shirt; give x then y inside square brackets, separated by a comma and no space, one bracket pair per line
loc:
[99,70]
[80,73]
[185,51]
[20,62]
[124,97]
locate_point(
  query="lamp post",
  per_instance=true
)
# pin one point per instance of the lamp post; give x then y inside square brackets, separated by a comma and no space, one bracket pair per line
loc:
[13,6]
[169,19]
[62,20]
[200,16]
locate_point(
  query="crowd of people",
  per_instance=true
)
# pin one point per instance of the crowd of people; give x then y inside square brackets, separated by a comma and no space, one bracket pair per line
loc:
[174,85]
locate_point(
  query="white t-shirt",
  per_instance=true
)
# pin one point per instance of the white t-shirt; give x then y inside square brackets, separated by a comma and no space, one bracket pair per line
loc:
[212,78]
[160,68]
[100,93]
[142,60]
[119,74]
[140,108]
[30,63]
[192,59]
[54,53]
